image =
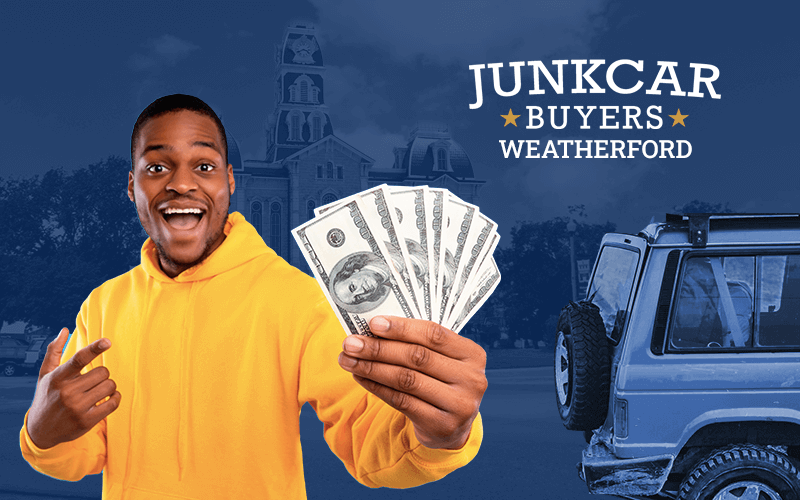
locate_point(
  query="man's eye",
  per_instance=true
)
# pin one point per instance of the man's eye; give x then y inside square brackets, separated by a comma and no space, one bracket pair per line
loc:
[156,169]
[352,287]
[206,167]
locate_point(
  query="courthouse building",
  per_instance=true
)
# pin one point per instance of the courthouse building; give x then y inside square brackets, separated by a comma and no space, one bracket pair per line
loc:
[307,165]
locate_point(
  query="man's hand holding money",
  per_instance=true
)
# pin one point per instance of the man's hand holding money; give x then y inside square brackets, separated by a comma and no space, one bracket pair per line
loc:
[404,268]
[433,376]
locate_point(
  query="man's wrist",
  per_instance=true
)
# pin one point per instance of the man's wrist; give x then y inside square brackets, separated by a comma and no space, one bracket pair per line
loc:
[38,441]
[455,441]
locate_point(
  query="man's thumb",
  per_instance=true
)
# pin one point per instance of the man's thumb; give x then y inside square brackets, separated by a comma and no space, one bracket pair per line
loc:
[54,350]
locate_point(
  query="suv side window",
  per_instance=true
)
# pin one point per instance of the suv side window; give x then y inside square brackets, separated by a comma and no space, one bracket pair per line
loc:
[737,303]
[779,301]
[715,303]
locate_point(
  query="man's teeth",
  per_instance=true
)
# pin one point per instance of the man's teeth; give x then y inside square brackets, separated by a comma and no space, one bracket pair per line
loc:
[171,211]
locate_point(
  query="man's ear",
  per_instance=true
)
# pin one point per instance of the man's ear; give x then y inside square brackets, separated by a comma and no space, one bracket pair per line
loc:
[231,180]
[130,185]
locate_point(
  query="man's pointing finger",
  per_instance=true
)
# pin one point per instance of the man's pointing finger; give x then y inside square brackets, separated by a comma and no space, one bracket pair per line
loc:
[53,356]
[83,357]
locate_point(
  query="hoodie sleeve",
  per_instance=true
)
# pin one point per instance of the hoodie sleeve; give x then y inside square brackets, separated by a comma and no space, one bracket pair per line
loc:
[376,442]
[71,460]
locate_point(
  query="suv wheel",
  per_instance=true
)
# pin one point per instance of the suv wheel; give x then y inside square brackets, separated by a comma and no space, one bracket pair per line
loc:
[743,472]
[582,367]
[9,370]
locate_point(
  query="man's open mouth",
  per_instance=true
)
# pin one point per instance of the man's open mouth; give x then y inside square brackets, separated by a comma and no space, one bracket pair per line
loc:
[183,218]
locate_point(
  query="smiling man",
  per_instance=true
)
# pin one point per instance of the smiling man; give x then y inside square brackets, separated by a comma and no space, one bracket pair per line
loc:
[185,376]
[181,183]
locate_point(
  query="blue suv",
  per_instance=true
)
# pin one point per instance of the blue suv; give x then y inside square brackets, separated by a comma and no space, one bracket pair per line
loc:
[682,365]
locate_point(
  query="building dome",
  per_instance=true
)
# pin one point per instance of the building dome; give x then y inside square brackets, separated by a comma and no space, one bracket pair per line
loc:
[234,156]
[462,165]
[430,144]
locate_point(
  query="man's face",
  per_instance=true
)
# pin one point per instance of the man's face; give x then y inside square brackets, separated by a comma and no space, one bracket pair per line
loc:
[360,285]
[181,187]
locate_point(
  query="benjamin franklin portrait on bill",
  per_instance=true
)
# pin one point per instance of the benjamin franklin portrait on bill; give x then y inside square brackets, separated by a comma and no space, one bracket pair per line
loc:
[360,282]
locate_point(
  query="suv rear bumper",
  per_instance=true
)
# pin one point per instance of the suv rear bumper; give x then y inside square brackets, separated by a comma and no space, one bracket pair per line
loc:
[607,475]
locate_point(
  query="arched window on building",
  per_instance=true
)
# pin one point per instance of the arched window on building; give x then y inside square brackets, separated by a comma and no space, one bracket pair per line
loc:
[319,171]
[340,172]
[304,91]
[255,216]
[310,206]
[316,128]
[275,227]
[330,170]
[294,129]
[441,160]
[329,198]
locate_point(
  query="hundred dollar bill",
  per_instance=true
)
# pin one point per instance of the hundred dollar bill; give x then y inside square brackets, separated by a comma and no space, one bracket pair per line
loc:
[488,255]
[486,282]
[472,284]
[380,214]
[351,265]
[460,215]
[434,202]
[409,204]
[481,241]
[435,205]
[384,223]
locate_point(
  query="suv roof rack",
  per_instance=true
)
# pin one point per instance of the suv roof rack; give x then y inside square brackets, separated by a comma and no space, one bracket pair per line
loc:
[699,223]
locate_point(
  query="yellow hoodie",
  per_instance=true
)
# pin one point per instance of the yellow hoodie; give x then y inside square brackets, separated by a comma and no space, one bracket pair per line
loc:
[213,367]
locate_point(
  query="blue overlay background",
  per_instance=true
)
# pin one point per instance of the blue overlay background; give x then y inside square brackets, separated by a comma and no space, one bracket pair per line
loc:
[77,74]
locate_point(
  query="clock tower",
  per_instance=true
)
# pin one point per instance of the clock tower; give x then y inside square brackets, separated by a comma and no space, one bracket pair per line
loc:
[301,117]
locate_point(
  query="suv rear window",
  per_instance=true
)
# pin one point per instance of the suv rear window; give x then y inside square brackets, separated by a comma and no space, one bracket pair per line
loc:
[737,302]
[611,286]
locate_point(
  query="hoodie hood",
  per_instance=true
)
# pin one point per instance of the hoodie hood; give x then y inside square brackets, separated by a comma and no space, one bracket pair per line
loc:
[242,243]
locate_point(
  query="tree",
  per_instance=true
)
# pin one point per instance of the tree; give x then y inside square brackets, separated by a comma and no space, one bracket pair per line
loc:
[63,235]
[536,275]
[703,207]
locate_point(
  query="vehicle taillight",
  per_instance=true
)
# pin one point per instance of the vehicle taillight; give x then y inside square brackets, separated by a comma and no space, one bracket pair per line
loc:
[620,418]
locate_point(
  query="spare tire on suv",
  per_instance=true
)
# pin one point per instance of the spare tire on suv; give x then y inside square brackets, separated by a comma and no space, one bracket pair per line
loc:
[582,367]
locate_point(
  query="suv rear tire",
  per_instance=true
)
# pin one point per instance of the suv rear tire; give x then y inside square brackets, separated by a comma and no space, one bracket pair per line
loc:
[582,367]
[743,471]
[9,370]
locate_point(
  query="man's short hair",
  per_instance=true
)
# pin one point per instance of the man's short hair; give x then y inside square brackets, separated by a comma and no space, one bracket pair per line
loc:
[172,104]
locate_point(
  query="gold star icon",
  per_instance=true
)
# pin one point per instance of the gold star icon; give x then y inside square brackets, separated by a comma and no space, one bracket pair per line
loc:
[510,118]
[678,118]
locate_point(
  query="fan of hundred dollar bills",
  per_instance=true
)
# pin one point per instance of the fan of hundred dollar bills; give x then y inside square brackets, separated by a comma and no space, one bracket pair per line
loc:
[417,252]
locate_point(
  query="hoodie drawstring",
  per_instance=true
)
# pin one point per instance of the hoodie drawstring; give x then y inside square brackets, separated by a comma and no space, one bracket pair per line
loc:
[185,371]
[143,320]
